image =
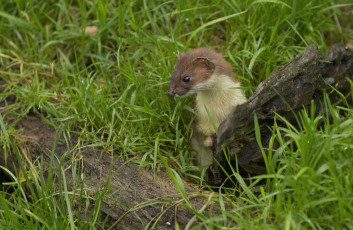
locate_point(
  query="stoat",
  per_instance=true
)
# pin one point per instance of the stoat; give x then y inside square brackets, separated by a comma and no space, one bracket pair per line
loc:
[207,74]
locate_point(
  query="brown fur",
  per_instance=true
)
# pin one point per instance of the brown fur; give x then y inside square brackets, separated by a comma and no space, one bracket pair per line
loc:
[200,64]
[212,79]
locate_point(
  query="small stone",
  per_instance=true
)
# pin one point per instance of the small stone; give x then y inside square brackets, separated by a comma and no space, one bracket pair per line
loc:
[91,30]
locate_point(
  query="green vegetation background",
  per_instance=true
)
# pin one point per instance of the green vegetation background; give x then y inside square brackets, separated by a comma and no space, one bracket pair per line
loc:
[109,88]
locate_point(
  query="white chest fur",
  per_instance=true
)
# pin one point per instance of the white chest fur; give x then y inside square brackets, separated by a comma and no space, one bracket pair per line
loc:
[219,95]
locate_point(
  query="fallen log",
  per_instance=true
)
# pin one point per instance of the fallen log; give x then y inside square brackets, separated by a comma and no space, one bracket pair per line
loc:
[135,197]
[285,92]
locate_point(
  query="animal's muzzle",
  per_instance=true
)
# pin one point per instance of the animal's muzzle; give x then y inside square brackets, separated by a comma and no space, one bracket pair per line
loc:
[171,93]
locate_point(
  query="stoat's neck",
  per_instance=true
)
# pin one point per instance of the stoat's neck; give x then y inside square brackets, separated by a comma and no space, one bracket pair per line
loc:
[219,95]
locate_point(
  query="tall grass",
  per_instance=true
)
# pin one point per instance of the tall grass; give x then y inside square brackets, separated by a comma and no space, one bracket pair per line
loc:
[34,200]
[109,89]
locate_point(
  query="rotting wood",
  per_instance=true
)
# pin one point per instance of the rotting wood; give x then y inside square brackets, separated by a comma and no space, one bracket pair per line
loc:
[129,187]
[287,91]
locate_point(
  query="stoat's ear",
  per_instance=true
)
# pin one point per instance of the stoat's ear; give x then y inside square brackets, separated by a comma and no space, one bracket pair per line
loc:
[204,63]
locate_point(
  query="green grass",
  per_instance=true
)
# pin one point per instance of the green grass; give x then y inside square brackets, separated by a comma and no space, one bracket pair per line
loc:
[109,89]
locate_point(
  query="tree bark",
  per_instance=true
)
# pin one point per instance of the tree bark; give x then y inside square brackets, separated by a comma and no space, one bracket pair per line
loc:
[285,92]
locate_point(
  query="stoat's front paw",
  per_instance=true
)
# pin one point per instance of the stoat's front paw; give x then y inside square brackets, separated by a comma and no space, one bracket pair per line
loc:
[208,142]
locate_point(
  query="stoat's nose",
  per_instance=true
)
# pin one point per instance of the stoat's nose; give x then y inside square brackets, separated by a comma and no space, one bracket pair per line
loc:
[170,93]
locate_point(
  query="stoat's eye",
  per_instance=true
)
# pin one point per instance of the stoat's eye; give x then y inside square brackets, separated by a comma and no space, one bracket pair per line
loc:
[186,79]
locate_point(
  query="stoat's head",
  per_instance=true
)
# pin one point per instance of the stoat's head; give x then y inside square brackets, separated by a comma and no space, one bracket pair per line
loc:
[194,69]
